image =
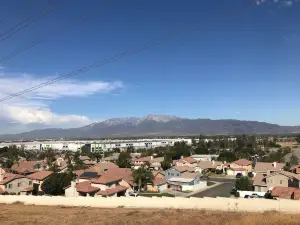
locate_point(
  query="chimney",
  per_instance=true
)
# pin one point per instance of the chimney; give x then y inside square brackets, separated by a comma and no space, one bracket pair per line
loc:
[181,157]
[151,157]
[268,172]
[274,164]
[213,162]
[73,183]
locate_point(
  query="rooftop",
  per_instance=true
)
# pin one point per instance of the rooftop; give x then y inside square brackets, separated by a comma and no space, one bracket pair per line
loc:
[41,175]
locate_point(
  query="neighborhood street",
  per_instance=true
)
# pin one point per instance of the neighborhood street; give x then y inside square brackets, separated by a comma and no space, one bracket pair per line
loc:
[222,190]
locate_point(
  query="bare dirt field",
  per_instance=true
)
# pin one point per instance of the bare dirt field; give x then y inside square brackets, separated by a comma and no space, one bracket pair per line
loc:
[48,215]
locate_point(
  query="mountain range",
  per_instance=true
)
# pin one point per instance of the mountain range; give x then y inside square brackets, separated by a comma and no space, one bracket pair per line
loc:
[155,125]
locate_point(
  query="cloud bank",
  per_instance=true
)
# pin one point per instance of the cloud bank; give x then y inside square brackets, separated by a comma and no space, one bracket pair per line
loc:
[32,110]
[287,3]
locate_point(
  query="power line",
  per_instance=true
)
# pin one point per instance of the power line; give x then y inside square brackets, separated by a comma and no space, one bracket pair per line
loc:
[51,6]
[154,43]
[40,40]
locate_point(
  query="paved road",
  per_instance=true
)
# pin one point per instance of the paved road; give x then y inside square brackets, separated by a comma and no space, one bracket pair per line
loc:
[222,190]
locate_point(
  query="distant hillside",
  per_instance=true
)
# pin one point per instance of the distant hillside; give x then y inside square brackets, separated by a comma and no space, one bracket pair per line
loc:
[153,125]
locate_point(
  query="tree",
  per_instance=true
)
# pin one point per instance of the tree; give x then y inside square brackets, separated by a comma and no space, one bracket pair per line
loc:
[243,184]
[227,156]
[201,151]
[124,160]
[294,160]
[56,183]
[85,150]
[142,176]
[287,166]
[167,163]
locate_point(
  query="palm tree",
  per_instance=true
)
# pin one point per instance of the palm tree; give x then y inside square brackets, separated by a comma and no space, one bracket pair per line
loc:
[142,176]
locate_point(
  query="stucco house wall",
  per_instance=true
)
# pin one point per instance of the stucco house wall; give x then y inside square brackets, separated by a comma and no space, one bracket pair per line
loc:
[17,185]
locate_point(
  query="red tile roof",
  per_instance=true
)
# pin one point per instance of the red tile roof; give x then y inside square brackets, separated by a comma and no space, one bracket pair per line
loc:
[25,166]
[41,175]
[101,167]
[158,181]
[283,192]
[86,187]
[242,162]
[11,178]
[187,159]
[106,179]
[181,168]
[112,191]
[144,159]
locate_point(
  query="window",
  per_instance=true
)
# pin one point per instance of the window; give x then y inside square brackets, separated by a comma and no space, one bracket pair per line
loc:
[280,181]
[30,182]
[19,184]
[10,186]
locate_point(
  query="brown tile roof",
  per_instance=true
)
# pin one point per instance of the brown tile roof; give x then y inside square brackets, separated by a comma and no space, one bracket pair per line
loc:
[86,187]
[264,166]
[101,167]
[158,181]
[25,166]
[209,164]
[158,159]
[242,162]
[106,179]
[287,174]
[112,191]
[283,192]
[11,178]
[259,180]
[41,175]
[187,159]
[181,168]
[189,175]
[144,159]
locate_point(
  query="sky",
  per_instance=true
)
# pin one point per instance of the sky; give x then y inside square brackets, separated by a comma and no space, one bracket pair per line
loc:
[236,59]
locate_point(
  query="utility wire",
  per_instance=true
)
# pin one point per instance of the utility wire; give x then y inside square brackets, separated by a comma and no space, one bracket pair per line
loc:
[51,6]
[40,40]
[114,58]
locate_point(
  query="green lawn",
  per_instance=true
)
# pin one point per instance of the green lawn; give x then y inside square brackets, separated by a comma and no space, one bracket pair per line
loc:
[156,194]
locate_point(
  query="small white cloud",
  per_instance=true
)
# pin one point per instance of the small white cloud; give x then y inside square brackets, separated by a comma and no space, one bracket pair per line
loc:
[287,3]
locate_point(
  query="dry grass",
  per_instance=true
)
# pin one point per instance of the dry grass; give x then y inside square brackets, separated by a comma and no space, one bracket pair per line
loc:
[287,144]
[47,215]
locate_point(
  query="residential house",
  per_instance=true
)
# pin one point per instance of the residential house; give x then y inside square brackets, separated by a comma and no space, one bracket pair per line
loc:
[159,185]
[154,163]
[158,174]
[241,166]
[286,193]
[186,182]
[38,178]
[112,182]
[14,183]
[89,163]
[208,165]
[267,168]
[28,167]
[263,182]
[187,161]
[204,157]
[295,169]
[177,171]
[102,167]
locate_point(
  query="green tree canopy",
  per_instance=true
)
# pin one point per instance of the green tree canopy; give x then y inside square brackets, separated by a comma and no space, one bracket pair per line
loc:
[294,160]
[124,160]
[227,156]
[142,176]
[243,184]
[56,183]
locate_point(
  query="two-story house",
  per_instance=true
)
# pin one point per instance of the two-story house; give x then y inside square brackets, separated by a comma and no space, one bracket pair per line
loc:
[187,182]
[241,166]
[37,179]
[15,183]
[153,163]
[263,183]
[177,171]
[208,165]
[267,168]
[187,161]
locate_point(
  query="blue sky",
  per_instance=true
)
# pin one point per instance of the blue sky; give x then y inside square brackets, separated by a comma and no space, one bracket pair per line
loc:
[244,65]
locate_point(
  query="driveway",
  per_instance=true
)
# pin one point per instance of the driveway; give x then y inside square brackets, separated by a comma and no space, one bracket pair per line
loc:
[222,190]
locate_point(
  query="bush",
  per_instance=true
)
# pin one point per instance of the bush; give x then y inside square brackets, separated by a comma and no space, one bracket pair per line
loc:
[243,184]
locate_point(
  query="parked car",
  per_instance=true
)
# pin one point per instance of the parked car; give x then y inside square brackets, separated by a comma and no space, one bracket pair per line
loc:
[239,175]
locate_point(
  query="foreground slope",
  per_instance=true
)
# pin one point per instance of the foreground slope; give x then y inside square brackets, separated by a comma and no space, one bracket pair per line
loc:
[46,215]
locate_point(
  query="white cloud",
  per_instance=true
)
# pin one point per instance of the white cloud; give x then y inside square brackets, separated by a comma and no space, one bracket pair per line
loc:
[33,108]
[287,3]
